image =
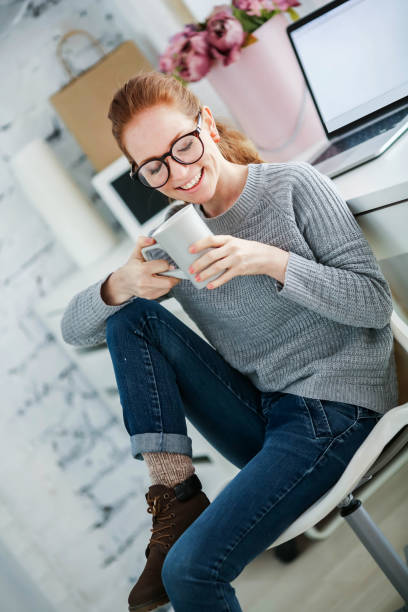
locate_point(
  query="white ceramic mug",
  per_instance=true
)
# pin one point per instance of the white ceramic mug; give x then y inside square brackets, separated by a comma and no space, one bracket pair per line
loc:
[175,236]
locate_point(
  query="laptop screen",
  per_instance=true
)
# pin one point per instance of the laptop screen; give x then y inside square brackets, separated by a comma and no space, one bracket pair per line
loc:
[355,58]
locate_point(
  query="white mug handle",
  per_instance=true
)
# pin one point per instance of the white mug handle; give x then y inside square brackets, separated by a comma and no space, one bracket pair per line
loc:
[177,273]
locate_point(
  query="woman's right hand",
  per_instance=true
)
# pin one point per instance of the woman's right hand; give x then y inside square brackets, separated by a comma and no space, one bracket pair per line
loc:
[138,277]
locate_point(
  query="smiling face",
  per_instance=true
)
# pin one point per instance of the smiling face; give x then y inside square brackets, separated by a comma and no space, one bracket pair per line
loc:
[152,132]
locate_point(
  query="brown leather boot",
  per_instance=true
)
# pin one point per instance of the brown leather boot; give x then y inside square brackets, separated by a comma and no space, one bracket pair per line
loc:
[173,509]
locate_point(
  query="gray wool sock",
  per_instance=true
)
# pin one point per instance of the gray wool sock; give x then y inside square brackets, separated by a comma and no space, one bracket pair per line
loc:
[168,468]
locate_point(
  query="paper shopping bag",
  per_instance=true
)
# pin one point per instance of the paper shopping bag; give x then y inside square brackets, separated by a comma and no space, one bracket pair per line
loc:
[83,103]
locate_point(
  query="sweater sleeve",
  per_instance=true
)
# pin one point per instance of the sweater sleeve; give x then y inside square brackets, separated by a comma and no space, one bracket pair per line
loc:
[345,282]
[84,320]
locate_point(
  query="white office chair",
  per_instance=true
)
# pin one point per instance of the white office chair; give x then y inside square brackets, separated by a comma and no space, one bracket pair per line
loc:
[384,442]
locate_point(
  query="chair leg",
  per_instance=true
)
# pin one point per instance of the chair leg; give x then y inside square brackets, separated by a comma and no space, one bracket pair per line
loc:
[377,545]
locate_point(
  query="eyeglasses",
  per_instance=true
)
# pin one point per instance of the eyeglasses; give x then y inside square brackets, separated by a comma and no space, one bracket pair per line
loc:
[187,149]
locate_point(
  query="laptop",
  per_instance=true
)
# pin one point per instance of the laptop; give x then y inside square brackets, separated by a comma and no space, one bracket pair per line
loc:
[354,57]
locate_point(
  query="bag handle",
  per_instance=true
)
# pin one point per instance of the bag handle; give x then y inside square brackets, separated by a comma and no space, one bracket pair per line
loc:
[65,37]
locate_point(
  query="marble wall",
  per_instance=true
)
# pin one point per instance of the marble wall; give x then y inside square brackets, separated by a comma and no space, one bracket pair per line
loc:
[72,506]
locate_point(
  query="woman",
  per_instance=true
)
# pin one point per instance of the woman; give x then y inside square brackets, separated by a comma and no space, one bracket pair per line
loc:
[300,366]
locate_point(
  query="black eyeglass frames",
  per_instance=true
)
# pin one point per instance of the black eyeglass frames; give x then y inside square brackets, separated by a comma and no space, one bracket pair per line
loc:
[187,149]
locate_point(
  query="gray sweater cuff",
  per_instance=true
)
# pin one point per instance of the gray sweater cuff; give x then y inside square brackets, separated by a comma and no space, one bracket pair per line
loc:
[304,285]
[297,278]
[99,307]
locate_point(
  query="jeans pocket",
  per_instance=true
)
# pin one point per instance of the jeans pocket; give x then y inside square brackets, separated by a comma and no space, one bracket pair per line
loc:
[318,418]
[340,415]
[366,413]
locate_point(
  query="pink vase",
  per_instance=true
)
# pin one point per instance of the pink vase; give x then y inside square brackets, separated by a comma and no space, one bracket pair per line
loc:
[266,93]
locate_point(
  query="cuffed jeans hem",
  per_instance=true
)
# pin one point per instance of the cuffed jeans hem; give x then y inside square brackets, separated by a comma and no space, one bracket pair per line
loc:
[160,442]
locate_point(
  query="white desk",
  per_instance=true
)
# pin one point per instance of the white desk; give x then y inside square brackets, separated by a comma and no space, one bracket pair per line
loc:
[383,180]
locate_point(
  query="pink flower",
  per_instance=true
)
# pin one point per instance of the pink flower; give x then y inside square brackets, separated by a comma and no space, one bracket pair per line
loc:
[166,63]
[252,7]
[225,35]
[195,58]
[283,5]
[269,5]
[187,55]
[169,59]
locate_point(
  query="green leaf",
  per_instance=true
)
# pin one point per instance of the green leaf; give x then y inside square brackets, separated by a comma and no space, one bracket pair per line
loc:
[266,15]
[247,21]
[250,23]
[259,20]
[294,15]
[179,78]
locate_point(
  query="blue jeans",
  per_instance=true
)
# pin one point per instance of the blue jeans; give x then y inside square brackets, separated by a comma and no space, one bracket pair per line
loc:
[290,449]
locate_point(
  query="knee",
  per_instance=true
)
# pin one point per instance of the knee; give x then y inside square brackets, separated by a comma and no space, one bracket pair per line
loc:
[130,316]
[174,570]
[184,566]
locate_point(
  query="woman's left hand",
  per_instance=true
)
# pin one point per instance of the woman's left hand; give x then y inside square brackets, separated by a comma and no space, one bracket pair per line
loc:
[239,257]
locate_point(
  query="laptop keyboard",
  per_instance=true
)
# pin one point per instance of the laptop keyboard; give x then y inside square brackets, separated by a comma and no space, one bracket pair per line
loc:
[383,125]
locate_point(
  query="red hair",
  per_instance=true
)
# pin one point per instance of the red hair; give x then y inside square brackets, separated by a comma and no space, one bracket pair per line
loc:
[148,89]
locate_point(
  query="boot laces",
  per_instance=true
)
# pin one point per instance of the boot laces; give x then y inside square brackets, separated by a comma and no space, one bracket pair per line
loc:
[160,521]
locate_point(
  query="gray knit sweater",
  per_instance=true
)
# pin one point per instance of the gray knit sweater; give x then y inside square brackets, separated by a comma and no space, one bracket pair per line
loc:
[325,333]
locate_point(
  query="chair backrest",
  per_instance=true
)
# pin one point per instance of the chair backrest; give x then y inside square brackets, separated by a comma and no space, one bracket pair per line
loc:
[400,331]
[401,360]
[389,452]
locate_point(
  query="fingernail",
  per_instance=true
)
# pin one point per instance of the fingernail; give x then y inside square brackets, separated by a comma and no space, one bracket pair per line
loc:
[192,249]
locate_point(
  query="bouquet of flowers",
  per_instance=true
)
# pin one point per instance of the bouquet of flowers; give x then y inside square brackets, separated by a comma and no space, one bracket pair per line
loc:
[227,30]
